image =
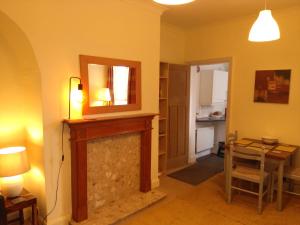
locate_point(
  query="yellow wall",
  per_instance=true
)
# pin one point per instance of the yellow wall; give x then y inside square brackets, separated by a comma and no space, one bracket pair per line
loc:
[61,30]
[230,39]
[172,44]
[12,115]
[20,98]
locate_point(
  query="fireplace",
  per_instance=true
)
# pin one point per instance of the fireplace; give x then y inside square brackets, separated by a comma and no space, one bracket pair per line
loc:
[113,169]
[83,131]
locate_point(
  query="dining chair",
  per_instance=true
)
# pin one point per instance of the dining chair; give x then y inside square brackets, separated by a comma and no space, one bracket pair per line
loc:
[251,174]
[232,137]
[292,177]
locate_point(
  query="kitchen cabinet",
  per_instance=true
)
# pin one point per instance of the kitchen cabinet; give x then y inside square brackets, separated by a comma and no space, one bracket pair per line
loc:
[213,87]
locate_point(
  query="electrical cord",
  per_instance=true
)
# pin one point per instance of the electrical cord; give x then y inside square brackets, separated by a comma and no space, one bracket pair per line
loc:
[58,175]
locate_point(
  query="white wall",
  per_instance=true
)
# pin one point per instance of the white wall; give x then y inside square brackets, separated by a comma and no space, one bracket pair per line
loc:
[194,104]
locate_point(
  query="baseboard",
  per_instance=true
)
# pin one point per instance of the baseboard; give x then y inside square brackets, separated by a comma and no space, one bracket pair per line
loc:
[192,160]
[63,220]
[154,183]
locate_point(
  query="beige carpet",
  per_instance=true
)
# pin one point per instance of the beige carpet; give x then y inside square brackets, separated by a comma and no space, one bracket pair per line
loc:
[205,205]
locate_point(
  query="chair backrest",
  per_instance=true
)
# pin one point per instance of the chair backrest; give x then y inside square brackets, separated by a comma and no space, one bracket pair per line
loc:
[232,137]
[3,220]
[248,153]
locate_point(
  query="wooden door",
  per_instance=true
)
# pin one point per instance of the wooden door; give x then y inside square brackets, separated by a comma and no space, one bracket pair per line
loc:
[178,94]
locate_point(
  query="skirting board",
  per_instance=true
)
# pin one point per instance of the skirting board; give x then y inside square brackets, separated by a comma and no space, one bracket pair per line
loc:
[63,220]
[154,183]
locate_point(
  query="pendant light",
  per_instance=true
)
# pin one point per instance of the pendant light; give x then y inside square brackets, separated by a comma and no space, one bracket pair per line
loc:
[173,2]
[265,28]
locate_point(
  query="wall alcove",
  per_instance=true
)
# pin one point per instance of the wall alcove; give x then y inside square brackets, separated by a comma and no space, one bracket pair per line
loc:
[21,106]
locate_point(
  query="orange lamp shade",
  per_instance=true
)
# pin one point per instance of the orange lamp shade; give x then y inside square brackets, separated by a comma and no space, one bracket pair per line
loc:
[13,161]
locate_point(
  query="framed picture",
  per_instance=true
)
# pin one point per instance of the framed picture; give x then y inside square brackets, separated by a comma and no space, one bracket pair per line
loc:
[272,86]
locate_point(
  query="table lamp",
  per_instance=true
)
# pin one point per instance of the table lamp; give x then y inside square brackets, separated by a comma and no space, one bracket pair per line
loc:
[75,97]
[13,163]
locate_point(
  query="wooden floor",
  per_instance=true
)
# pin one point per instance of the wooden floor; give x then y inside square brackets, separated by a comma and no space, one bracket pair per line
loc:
[205,205]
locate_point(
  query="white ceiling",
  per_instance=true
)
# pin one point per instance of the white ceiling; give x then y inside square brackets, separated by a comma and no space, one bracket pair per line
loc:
[207,11]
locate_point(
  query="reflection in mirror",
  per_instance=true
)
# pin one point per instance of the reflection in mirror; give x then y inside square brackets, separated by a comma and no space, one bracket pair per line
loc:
[110,84]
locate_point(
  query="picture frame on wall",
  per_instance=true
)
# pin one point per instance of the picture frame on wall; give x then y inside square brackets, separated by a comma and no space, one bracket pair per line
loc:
[272,86]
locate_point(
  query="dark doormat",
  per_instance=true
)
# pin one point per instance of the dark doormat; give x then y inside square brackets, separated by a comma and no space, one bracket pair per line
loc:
[203,169]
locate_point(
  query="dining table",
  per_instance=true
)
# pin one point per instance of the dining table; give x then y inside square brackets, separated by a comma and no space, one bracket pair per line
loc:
[279,153]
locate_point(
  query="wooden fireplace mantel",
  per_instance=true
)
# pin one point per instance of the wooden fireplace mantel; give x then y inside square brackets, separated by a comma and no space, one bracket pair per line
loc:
[84,130]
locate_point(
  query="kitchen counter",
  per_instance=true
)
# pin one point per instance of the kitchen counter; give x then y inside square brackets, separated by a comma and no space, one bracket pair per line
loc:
[210,119]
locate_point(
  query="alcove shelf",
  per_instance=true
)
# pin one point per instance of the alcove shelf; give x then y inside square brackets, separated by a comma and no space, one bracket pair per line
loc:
[163,117]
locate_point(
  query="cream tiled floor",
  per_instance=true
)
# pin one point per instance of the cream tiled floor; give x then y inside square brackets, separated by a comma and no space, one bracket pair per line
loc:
[205,205]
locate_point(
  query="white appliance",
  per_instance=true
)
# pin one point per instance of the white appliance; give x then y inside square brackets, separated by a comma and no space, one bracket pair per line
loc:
[204,139]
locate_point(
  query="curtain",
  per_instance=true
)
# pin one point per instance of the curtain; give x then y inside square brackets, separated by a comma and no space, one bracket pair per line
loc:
[131,86]
[110,83]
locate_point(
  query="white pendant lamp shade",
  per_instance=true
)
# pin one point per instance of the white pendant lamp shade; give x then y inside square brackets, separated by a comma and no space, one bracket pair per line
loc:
[173,2]
[265,28]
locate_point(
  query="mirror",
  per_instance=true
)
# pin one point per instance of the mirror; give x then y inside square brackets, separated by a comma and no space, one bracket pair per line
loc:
[110,85]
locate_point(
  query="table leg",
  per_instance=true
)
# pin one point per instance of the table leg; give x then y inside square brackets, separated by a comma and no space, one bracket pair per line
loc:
[21,216]
[226,155]
[280,185]
[34,215]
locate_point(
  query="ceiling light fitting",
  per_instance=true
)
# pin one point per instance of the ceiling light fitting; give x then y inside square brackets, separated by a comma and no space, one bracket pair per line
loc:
[265,28]
[173,2]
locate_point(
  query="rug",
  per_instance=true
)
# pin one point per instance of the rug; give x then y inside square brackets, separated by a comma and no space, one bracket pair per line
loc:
[202,170]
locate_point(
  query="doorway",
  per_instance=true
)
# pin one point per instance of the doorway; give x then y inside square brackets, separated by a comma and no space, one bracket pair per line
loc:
[207,120]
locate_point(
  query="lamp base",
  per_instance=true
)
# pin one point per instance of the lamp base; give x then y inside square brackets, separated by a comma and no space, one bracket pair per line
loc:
[12,186]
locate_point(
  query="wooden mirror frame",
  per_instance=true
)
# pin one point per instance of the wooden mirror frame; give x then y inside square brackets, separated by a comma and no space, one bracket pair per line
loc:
[84,60]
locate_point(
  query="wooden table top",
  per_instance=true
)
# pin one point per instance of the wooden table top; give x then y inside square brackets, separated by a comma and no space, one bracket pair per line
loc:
[24,200]
[274,153]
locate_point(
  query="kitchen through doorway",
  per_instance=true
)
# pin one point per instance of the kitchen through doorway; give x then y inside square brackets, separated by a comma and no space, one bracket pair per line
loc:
[207,118]
[208,115]
[208,109]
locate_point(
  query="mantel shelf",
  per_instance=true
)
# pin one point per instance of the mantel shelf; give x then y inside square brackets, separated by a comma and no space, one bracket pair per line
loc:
[91,120]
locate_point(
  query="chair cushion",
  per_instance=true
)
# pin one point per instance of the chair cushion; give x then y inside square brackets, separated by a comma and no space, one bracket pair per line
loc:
[248,173]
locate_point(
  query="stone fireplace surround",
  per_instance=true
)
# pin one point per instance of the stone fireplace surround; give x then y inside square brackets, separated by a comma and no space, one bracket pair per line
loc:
[82,131]
[113,169]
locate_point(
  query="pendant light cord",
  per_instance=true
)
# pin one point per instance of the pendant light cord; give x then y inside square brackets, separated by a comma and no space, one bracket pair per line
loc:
[265,4]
